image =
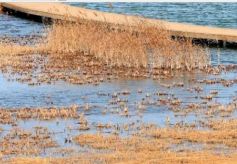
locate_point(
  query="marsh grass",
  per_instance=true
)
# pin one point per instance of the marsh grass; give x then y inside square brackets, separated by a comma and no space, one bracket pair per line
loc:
[118,46]
[14,49]
[85,52]
[19,141]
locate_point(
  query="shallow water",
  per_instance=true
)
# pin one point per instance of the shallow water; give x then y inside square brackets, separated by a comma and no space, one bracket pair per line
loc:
[12,26]
[15,94]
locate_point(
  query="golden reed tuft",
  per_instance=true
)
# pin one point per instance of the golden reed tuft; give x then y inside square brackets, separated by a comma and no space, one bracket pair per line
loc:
[118,46]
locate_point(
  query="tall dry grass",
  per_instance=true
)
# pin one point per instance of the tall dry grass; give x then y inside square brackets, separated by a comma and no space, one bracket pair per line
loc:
[119,46]
[115,47]
[13,49]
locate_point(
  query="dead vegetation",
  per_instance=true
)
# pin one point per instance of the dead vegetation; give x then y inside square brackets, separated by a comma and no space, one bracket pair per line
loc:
[225,137]
[94,50]
[20,142]
[138,149]
[11,116]
[130,47]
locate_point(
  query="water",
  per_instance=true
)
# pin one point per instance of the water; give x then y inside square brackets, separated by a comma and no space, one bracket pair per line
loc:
[15,94]
[211,14]
[12,26]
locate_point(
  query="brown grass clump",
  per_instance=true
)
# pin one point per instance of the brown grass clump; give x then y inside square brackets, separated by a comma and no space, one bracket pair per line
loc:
[91,52]
[102,142]
[14,49]
[10,116]
[222,124]
[142,157]
[142,150]
[115,48]
[18,141]
[118,46]
[225,137]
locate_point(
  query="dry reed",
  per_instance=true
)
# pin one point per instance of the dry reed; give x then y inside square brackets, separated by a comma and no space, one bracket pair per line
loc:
[18,141]
[118,46]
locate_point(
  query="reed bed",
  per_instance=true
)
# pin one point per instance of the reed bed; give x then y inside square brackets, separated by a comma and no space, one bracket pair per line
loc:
[117,46]
[14,49]
[91,52]
[129,47]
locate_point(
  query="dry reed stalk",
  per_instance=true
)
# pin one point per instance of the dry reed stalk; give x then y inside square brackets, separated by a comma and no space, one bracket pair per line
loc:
[13,49]
[132,157]
[119,46]
[99,50]
[225,137]
[8,116]
[138,149]
[114,48]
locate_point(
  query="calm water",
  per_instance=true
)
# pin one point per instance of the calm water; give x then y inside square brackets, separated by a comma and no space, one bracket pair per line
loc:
[212,14]
[12,26]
